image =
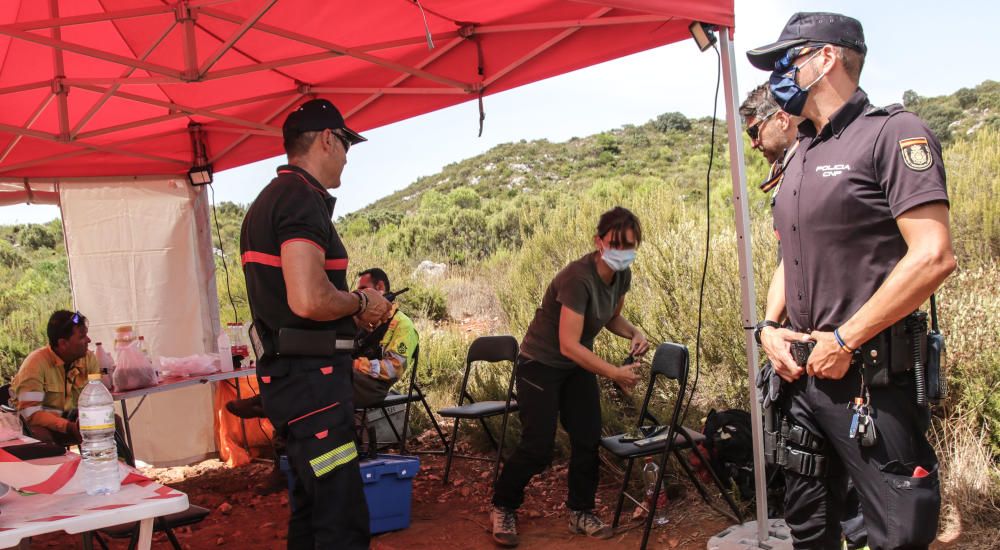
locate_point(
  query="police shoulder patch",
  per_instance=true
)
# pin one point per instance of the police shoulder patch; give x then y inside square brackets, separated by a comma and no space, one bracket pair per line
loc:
[916,153]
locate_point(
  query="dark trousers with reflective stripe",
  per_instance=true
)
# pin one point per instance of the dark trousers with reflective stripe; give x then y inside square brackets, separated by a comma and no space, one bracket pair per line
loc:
[309,401]
[900,511]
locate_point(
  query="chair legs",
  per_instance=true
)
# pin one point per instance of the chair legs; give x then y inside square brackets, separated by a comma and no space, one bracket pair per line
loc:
[399,440]
[430,414]
[621,495]
[173,539]
[450,450]
[406,424]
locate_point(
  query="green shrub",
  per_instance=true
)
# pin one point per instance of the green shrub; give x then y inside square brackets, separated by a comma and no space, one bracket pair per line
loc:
[424,302]
[672,121]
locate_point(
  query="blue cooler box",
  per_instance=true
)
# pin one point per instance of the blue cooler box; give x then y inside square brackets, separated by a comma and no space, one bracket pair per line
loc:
[388,482]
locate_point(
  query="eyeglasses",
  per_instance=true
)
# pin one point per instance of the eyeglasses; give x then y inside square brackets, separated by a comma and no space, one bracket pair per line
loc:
[754,129]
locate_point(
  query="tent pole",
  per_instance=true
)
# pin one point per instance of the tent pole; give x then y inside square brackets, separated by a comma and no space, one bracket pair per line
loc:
[737,167]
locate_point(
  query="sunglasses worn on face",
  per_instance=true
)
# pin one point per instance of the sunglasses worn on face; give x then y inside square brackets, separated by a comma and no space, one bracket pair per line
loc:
[346,142]
[754,129]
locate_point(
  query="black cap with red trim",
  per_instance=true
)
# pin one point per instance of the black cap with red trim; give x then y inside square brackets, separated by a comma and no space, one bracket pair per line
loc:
[316,115]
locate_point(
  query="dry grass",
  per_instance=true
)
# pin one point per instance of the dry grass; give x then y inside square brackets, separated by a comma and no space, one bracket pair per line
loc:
[970,483]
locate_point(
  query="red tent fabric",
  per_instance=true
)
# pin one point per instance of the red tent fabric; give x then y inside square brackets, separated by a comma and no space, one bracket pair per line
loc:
[125,87]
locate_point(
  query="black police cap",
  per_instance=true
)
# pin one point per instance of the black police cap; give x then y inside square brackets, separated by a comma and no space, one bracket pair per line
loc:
[810,27]
[316,115]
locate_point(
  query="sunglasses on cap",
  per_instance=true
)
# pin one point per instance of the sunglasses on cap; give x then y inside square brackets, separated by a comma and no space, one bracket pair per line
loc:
[754,129]
[76,319]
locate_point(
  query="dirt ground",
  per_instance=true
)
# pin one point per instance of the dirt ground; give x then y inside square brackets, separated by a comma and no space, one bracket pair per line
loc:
[443,517]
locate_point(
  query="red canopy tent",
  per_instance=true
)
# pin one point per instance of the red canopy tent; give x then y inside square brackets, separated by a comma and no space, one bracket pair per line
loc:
[120,87]
[129,88]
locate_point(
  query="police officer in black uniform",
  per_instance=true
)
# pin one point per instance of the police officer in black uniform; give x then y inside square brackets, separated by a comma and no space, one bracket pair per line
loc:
[863,222]
[295,266]
[774,133]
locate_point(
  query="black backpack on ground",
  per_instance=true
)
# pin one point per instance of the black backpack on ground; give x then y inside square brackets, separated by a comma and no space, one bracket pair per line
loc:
[729,449]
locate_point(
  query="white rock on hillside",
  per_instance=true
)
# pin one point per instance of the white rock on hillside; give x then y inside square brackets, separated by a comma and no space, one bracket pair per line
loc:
[429,269]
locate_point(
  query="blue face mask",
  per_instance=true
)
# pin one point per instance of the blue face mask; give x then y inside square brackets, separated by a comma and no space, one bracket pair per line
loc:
[618,260]
[787,93]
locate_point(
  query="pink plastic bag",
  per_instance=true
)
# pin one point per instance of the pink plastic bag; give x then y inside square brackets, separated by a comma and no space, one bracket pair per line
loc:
[133,369]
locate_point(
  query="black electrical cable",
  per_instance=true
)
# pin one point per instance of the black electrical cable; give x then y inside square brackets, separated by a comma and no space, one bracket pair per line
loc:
[222,250]
[708,235]
[229,292]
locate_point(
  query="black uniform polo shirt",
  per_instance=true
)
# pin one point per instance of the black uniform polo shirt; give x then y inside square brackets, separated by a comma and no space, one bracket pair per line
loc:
[840,197]
[293,207]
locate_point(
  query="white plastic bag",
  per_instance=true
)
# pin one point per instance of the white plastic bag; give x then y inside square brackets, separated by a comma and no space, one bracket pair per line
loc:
[133,369]
[192,365]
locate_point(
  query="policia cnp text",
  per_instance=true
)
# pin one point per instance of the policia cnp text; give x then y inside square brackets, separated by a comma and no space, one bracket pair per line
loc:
[296,267]
[863,222]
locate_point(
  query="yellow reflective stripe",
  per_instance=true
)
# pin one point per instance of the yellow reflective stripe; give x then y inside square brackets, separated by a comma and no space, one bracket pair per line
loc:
[331,460]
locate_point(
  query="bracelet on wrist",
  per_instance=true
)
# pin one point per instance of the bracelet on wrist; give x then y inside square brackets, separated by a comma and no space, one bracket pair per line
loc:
[840,341]
[362,302]
[761,326]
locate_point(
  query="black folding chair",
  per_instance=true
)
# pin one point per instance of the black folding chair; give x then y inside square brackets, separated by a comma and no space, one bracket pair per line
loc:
[413,395]
[669,361]
[193,515]
[491,349]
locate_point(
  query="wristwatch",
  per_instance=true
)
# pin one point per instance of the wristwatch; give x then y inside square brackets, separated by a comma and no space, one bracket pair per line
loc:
[760,326]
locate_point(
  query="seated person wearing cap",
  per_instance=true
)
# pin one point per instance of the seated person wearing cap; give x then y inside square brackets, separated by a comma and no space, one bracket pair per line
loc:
[47,386]
[381,354]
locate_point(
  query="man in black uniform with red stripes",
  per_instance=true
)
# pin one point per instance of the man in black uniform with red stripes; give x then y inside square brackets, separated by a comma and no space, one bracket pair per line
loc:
[296,273]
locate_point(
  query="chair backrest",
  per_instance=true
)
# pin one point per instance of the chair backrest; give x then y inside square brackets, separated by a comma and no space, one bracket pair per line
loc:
[670,361]
[489,349]
[492,349]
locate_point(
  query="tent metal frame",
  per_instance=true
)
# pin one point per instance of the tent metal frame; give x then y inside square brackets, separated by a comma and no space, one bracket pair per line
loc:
[191,67]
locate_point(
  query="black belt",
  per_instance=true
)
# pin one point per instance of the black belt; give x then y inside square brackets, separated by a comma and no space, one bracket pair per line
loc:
[297,342]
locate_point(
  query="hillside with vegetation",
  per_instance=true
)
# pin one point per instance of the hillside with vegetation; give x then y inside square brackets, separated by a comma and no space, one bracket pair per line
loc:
[502,223]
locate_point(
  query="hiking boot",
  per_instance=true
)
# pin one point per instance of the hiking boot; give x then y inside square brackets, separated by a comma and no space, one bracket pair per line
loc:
[586,523]
[251,407]
[504,526]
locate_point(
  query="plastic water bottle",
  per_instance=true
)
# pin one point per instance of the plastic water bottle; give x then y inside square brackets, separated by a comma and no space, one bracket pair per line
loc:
[107,365]
[649,473]
[225,352]
[97,426]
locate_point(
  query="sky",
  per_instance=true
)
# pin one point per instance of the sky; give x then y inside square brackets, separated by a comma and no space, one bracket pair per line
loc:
[911,45]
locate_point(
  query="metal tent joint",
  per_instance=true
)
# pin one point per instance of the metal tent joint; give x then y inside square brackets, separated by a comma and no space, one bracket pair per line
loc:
[184,12]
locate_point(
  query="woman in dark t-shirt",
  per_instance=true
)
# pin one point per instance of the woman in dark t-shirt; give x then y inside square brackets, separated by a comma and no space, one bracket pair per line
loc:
[557,375]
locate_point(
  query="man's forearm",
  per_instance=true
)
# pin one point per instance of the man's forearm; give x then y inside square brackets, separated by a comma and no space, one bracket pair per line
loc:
[908,285]
[51,421]
[333,304]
